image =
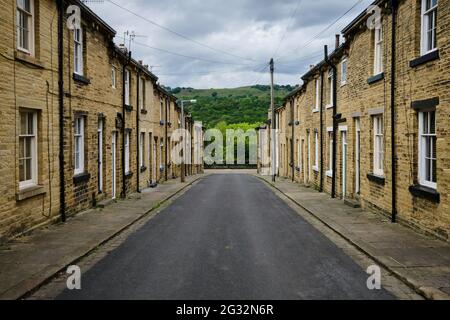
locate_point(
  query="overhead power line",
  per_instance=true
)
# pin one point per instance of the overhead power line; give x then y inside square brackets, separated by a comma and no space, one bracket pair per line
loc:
[294,13]
[186,56]
[303,46]
[179,34]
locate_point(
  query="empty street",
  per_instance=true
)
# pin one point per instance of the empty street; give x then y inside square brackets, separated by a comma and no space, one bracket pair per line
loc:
[229,237]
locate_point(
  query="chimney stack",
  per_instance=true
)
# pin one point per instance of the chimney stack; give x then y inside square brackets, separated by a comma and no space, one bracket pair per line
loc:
[337,41]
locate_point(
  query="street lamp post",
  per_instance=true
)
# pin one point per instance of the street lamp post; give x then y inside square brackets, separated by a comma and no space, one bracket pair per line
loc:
[184,137]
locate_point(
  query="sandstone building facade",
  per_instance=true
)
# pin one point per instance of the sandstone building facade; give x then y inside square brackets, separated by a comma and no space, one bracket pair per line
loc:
[370,125]
[82,121]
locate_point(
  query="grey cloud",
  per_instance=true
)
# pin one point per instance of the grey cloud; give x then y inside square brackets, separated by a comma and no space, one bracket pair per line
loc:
[246,28]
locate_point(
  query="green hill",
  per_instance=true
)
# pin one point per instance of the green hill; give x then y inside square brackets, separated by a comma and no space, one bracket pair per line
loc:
[237,105]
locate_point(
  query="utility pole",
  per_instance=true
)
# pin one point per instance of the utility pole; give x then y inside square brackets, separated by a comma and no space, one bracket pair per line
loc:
[272,106]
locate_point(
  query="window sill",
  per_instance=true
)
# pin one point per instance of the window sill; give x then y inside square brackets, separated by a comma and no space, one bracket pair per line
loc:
[316,169]
[81,178]
[329,173]
[315,110]
[377,179]
[328,106]
[128,108]
[128,175]
[343,84]
[28,59]
[30,192]
[433,55]
[81,79]
[425,193]
[375,78]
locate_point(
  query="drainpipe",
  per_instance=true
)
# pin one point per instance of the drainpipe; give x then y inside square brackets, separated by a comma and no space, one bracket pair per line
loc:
[393,146]
[62,184]
[125,63]
[138,135]
[335,127]
[292,140]
[321,132]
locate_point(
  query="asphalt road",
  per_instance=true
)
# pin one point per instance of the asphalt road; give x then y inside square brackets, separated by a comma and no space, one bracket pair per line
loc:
[228,237]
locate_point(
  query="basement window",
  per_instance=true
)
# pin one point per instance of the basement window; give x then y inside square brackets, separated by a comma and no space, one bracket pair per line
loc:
[427,149]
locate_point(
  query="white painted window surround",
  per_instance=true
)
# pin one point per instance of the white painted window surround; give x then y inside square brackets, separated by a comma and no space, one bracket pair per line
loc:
[25,26]
[427,149]
[378,145]
[79,144]
[428,41]
[28,158]
[78,51]
[378,51]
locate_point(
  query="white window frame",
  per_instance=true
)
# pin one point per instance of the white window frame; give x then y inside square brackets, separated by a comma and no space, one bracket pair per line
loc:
[79,136]
[378,51]
[33,157]
[78,51]
[331,84]
[317,102]
[161,106]
[329,172]
[316,151]
[127,87]
[127,152]
[140,90]
[344,75]
[378,145]
[21,11]
[424,139]
[113,77]
[427,38]
[141,150]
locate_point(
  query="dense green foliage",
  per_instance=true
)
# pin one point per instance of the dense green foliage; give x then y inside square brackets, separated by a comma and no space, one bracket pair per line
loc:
[238,128]
[237,105]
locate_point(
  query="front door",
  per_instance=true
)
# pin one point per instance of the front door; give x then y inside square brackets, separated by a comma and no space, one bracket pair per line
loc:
[113,159]
[357,156]
[344,163]
[100,155]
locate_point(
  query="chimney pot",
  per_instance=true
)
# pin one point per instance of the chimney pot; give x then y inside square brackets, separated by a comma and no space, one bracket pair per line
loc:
[337,41]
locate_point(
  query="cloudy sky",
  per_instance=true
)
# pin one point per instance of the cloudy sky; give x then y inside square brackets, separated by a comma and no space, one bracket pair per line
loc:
[228,43]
